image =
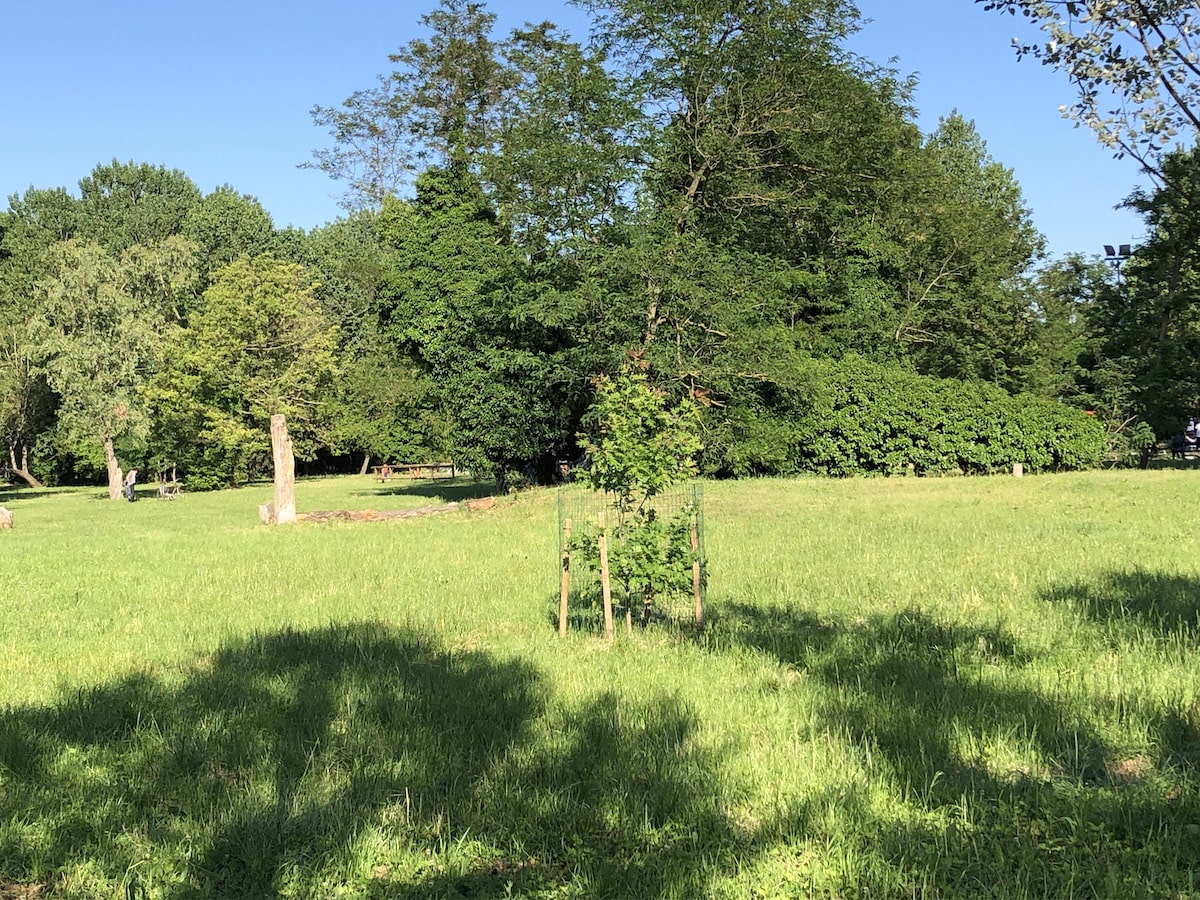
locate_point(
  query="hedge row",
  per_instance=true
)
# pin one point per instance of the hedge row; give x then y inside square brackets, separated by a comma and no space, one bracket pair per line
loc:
[853,417]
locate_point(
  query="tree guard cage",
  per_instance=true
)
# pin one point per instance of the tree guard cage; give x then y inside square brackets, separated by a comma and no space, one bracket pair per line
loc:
[645,563]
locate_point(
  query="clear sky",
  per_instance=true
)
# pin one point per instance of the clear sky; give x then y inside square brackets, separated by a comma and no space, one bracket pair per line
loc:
[222,90]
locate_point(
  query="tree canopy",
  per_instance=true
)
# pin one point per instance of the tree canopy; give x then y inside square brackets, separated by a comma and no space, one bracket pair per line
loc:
[724,191]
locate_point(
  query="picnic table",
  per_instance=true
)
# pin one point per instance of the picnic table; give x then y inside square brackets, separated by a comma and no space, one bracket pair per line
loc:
[169,486]
[414,470]
[169,490]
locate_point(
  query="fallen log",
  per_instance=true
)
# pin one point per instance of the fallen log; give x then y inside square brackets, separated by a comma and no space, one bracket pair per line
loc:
[371,515]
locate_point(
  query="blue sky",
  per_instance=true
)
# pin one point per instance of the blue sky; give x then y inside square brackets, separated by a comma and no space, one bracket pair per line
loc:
[222,90]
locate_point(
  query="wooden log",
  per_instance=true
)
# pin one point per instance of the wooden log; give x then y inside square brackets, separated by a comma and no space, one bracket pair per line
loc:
[696,592]
[285,472]
[605,580]
[6,518]
[565,587]
[371,515]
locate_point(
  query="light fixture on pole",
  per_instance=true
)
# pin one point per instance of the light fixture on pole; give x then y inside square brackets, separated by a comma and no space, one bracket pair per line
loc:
[1114,256]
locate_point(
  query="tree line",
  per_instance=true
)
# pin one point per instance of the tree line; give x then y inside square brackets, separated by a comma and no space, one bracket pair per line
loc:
[722,189]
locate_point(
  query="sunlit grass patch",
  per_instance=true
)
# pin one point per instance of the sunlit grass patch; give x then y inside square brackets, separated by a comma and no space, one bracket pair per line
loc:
[955,687]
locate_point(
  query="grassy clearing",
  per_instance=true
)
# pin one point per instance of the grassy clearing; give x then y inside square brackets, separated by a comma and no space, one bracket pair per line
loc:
[949,687]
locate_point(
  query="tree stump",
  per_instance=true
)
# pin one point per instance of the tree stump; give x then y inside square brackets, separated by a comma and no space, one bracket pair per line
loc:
[116,477]
[6,518]
[284,510]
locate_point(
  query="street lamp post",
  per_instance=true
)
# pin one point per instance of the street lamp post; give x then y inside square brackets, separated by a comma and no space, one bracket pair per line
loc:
[1114,256]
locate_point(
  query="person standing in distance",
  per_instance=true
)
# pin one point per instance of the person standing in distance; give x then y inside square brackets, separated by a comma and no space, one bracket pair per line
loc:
[130,481]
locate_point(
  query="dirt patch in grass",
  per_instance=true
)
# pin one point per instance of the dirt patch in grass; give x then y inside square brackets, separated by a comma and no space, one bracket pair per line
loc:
[371,515]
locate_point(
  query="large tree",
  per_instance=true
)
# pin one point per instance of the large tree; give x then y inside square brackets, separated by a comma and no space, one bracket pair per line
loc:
[98,326]
[965,240]
[121,204]
[1148,322]
[258,345]
[225,225]
[34,223]
[568,146]
[437,107]
[493,373]
[372,144]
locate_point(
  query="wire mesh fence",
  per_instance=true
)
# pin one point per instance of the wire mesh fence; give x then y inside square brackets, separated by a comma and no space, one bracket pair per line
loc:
[653,555]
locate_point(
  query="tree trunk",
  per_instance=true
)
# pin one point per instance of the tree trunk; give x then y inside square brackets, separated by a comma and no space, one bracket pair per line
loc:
[366,464]
[21,471]
[114,470]
[285,472]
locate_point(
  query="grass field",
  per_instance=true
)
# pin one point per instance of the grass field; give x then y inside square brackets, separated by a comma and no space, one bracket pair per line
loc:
[908,688]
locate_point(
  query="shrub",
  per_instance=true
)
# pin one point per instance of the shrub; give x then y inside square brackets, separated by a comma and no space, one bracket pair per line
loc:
[862,418]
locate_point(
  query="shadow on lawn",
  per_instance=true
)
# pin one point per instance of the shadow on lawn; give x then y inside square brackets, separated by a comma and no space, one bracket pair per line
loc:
[1085,818]
[354,755]
[1163,604]
[9,493]
[448,490]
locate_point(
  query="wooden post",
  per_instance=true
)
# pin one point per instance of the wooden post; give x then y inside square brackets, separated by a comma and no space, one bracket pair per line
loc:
[696,572]
[284,510]
[605,582]
[1018,470]
[566,580]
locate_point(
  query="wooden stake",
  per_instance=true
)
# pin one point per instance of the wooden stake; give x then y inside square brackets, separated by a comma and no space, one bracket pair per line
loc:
[605,582]
[696,572]
[566,580]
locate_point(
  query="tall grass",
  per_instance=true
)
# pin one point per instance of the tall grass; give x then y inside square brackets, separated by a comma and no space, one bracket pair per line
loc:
[953,687]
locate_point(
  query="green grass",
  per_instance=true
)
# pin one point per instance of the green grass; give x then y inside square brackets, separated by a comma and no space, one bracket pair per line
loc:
[908,688]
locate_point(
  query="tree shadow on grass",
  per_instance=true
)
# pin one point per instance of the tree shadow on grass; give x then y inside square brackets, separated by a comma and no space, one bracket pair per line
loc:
[359,758]
[448,490]
[1190,464]
[11,493]
[997,788]
[1158,603]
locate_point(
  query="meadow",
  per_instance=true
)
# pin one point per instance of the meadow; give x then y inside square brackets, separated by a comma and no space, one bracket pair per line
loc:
[906,688]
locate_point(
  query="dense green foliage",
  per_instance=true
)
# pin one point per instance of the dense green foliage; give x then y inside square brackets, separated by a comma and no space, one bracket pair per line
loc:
[725,191]
[924,688]
[868,419]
